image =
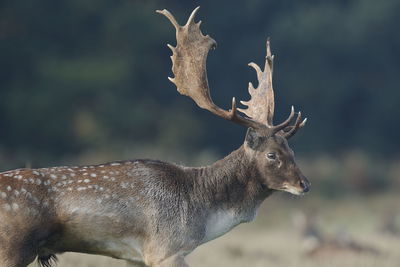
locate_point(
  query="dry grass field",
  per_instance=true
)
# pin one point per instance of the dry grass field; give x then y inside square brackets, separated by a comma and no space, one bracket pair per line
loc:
[274,240]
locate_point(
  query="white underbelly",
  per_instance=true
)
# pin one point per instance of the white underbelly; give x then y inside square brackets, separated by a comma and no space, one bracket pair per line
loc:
[221,222]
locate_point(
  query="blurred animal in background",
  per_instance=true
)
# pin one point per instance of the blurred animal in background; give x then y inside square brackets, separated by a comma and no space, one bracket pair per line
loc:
[316,244]
[390,224]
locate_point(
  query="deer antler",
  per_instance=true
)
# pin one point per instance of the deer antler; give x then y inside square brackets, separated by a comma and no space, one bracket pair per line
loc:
[189,67]
[261,105]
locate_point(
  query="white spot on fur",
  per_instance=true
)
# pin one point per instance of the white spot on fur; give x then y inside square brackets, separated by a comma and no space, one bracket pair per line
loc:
[86,181]
[38,181]
[35,173]
[7,207]
[115,164]
[93,175]
[81,188]
[15,206]
[16,193]
[9,188]
[53,176]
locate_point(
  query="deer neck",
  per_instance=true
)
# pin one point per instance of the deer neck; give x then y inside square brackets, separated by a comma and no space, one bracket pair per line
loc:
[232,183]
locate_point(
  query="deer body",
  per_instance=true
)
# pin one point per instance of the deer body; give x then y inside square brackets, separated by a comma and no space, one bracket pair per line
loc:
[134,210]
[151,212]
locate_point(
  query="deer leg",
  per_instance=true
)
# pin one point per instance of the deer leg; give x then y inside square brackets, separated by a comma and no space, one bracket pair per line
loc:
[173,261]
[135,264]
[21,256]
[13,261]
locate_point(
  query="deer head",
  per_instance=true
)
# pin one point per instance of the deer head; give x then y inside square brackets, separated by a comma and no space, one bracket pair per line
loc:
[265,144]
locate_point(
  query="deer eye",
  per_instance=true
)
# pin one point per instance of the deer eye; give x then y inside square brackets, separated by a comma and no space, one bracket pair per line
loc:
[271,155]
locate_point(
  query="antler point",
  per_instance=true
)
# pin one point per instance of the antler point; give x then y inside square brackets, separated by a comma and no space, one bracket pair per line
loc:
[170,17]
[268,47]
[303,122]
[191,18]
[171,47]
[255,67]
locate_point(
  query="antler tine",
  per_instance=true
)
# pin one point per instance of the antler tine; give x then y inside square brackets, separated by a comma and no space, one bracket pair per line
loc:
[189,68]
[293,129]
[192,16]
[284,124]
[170,17]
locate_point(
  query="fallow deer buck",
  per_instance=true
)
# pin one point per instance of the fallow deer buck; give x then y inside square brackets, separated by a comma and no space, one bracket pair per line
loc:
[152,213]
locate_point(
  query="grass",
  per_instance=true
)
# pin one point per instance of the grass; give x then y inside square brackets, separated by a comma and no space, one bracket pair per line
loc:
[273,240]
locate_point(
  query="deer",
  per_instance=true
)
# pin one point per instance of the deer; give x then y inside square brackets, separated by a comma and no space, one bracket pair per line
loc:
[318,245]
[149,212]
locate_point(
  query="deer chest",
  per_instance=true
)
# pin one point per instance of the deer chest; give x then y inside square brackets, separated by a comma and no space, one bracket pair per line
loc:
[222,221]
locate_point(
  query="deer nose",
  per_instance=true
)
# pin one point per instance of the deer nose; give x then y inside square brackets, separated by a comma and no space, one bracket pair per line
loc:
[305,185]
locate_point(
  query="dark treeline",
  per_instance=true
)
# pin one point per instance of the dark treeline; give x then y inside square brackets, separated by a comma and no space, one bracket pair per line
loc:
[80,75]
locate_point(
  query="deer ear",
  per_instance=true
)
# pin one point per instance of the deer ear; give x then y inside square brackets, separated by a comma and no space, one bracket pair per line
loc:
[253,139]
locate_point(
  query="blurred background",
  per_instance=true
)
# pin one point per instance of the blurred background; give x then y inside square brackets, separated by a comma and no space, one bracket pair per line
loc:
[84,82]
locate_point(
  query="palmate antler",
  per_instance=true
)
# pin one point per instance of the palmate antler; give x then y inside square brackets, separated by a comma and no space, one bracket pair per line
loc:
[189,67]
